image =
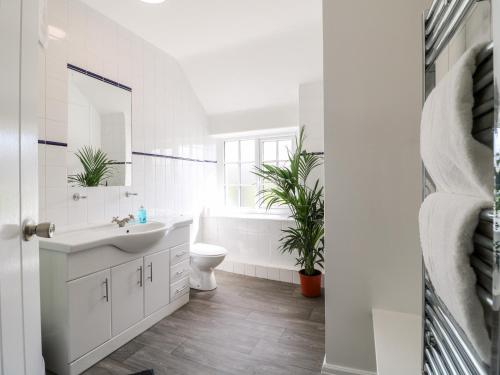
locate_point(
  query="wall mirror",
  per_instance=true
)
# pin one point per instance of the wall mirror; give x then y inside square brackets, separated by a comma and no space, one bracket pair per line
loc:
[99,130]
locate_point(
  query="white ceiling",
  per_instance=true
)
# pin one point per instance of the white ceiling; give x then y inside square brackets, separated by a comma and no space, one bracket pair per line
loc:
[237,54]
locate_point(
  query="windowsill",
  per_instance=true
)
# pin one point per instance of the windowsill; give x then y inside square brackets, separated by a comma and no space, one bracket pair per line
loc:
[248,214]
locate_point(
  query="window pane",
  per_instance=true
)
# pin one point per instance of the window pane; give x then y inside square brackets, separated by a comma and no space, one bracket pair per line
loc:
[231,151]
[284,164]
[283,148]
[232,196]
[247,150]
[232,174]
[269,151]
[248,196]
[247,176]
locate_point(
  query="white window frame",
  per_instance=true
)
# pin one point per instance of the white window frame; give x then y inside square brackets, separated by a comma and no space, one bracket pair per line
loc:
[259,141]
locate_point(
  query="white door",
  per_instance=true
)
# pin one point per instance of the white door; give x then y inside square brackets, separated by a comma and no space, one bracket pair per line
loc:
[20,338]
[89,300]
[157,281]
[127,286]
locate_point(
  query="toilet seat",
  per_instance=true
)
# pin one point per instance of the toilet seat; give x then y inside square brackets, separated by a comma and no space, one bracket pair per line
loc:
[205,250]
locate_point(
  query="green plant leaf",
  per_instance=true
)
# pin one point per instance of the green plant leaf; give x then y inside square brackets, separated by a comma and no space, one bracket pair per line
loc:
[289,186]
[97,168]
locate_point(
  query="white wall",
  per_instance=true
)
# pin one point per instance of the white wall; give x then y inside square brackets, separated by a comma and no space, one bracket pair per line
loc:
[167,119]
[254,120]
[312,114]
[372,65]
[252,240]
[253,245]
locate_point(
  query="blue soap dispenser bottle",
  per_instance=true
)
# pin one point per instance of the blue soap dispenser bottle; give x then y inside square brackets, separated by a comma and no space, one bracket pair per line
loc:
[142,215]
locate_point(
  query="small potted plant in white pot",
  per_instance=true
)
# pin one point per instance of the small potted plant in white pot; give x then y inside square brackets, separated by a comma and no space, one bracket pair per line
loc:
[289,186]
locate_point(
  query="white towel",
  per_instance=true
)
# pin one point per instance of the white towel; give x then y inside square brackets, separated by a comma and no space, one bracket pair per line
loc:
[456,162]
[447,226]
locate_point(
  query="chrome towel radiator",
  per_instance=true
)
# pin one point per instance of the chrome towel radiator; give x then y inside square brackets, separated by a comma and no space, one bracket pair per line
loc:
[446,350]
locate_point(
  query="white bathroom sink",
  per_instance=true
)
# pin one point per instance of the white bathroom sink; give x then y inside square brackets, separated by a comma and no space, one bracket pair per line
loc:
[132,238]
[135,238]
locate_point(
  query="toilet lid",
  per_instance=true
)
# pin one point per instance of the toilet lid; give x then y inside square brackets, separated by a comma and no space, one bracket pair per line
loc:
[206,250]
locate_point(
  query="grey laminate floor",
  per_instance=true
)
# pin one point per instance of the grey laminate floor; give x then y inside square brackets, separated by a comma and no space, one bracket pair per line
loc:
[245,326]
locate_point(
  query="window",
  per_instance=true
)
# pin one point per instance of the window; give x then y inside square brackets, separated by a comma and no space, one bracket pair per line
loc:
[240,159]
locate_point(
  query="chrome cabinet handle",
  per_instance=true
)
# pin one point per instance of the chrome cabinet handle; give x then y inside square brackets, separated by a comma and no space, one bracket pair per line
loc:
[30,229]
[150,277]
[129,194]
[140,276]
[180,254]
[107,289]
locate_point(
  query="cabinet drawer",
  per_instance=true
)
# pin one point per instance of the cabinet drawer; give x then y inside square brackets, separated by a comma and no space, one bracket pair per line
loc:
[179,271]
[179,289]
[179,254]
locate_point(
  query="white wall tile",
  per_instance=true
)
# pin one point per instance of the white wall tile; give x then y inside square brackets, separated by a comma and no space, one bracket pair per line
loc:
[56,206]
[56,131]
[286,275]
[56,89]
[261,272]
[97,205]
[239,268]
[77,210]
[56,110]
[273,273]
[56,156]
[250,270]
[112,202]
[228,266]
[163,106]
[126,203]
[55,176]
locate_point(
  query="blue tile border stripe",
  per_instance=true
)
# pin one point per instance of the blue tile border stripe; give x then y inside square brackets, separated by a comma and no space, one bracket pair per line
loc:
[61,144]
[52,143]
[98,77]
[172,157]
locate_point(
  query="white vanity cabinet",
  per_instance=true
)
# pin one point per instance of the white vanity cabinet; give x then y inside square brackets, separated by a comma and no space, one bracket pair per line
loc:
[96,300]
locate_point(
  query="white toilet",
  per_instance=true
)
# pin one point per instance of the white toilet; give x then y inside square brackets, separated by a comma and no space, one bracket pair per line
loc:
[204,259]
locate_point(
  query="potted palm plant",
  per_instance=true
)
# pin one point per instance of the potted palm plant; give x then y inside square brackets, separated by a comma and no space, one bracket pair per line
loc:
[97,167]
[289,186]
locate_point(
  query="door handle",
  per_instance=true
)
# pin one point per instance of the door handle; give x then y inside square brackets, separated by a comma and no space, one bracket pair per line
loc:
[140,276]
[30,229]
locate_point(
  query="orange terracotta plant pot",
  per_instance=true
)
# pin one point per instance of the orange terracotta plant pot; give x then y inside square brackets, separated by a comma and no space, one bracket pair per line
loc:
[310,285]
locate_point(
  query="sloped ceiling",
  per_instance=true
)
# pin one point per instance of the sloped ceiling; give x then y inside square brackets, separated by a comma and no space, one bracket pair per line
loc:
[238,54]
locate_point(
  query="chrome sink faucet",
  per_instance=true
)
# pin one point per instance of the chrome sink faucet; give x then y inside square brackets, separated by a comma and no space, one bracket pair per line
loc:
[121,222]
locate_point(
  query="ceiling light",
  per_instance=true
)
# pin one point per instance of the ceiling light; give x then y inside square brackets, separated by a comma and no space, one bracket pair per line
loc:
[153,1]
